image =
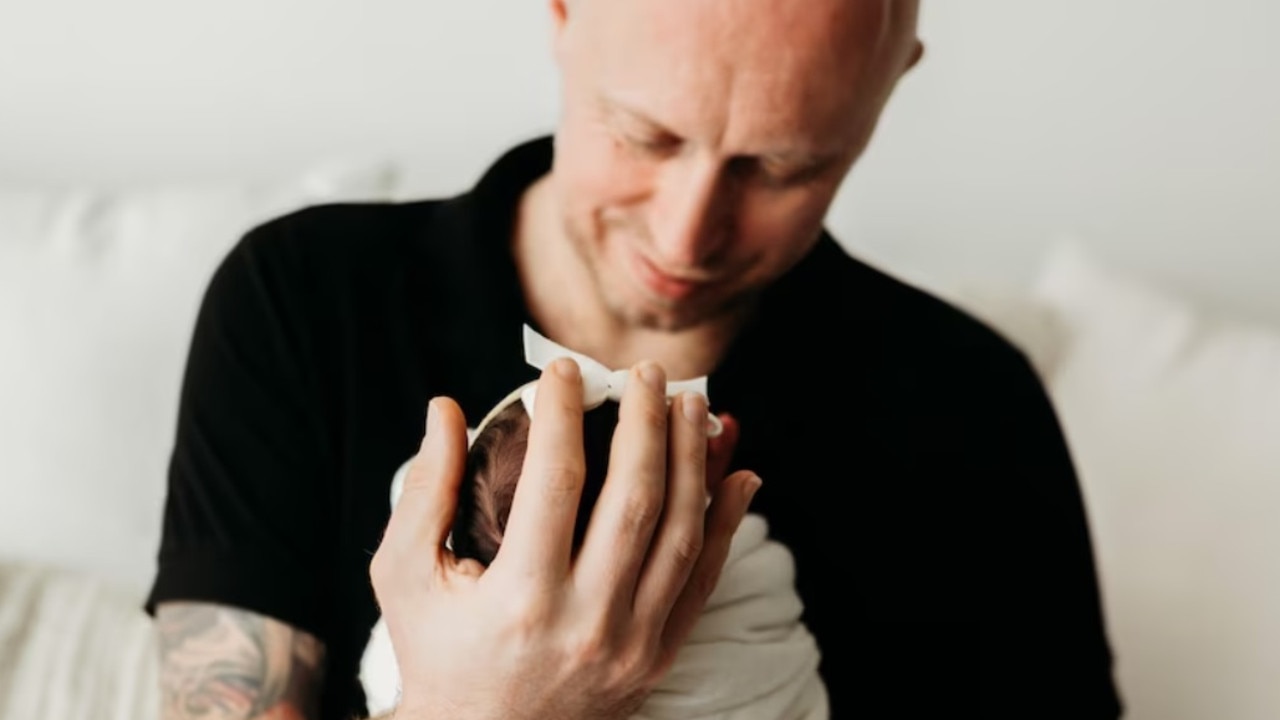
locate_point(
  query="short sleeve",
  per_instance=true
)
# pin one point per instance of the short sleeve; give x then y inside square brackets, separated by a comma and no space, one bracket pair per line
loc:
[1048,655]
[251,465]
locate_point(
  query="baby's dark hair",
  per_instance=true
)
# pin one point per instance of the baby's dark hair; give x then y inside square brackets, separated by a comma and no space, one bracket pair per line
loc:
[494,463]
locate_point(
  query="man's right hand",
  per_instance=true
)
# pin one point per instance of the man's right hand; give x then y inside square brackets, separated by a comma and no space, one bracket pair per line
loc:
[542,633]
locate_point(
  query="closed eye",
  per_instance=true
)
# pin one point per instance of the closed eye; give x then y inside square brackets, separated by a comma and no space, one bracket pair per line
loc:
[776,176]
[637,131]
[646,137]
[654,143]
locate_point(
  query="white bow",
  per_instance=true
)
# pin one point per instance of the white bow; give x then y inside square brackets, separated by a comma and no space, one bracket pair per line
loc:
[599,382]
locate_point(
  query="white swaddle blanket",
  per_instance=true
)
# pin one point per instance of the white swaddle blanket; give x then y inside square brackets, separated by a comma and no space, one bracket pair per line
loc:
[747,658]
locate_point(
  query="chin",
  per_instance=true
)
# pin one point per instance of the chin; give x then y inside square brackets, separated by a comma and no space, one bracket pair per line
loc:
[649,315]
[635,312]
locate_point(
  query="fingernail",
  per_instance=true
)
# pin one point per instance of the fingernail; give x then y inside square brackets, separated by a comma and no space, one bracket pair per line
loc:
[566,368]
[695,409]
[751,486]
[652,375]
[715,426]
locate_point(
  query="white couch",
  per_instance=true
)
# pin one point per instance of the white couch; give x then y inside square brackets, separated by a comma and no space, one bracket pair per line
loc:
[98,296]
[1174,420]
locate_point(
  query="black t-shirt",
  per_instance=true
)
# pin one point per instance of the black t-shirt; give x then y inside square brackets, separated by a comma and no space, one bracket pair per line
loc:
[922,483]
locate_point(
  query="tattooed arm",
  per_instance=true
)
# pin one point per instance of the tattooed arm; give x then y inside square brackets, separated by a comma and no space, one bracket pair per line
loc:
[222,663]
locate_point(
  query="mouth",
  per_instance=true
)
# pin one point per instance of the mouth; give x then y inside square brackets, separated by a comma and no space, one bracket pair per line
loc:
[666,285]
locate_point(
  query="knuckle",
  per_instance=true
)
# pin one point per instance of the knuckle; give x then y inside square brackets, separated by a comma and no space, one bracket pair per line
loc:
[642,667]
[695,460]
[624,666]
[523,620]
[418,474]
[381,574]
[652,678]
[655,414]
[561,480]
[625,671]
[662,663]
[590,647]
[685,551]
[704,584]
[524,602]
[635,667]
[392,576]
[640,512]
[526,611]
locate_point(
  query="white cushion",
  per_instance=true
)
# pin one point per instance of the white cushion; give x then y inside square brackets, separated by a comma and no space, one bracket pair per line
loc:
[98,296]
[1018,316]
[76,647]
[1174,421]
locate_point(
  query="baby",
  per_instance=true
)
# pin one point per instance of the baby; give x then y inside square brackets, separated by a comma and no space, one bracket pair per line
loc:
[748,657]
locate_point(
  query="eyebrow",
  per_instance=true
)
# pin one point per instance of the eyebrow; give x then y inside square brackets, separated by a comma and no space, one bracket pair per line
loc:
[806,160]
[614,107]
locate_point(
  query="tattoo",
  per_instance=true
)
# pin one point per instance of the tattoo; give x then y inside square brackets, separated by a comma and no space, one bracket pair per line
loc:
[221,663]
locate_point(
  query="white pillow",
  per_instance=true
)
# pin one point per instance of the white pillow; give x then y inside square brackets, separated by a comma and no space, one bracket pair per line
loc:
[98,296]
[1018,316]
[75,648]
[1174,421]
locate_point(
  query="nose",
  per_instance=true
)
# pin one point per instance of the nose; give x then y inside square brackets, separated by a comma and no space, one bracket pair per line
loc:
[693,213]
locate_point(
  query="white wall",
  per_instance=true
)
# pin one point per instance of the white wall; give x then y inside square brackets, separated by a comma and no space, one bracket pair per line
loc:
[146,90]
[1151,128]
[1148,127]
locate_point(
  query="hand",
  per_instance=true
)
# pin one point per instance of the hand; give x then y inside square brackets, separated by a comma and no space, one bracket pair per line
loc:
[540,633]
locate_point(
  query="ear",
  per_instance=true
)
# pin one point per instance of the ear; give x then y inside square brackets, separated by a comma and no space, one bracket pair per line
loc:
[559,22]
[559,13]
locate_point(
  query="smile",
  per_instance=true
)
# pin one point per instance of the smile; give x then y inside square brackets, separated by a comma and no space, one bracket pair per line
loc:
[662,284]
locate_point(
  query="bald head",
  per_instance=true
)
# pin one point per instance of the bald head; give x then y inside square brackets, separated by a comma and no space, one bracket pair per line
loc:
[713,135]
[771,61]
[853,29]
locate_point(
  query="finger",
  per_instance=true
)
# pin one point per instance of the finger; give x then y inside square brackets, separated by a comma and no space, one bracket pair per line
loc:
[421,519]
[720,451]
[678,542]
[630,502]
[728,506]
[539,532]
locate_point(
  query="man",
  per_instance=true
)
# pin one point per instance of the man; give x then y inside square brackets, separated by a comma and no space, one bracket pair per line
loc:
[912,462]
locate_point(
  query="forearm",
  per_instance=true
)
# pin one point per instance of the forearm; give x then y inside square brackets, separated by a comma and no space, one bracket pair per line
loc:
[220,663]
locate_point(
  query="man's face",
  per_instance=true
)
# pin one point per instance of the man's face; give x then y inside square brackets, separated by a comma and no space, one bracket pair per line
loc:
[702,142]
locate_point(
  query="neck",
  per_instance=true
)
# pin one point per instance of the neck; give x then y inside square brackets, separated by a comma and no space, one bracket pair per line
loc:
[562,298]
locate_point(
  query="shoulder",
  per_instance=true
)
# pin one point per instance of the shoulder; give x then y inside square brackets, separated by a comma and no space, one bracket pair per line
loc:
[904,328]
[340,251]
[921,366]
[306,282]
[336,234]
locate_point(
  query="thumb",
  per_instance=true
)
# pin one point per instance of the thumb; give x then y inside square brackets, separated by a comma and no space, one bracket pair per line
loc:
[422,517]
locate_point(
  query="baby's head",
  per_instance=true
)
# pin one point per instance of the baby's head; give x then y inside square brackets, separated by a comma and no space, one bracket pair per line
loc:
[494,463]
